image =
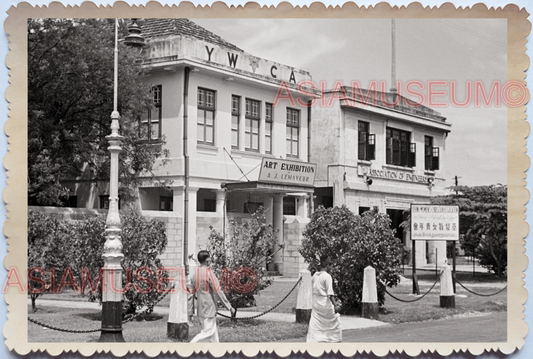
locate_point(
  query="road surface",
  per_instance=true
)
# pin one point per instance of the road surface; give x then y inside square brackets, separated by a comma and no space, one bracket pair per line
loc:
[486,328]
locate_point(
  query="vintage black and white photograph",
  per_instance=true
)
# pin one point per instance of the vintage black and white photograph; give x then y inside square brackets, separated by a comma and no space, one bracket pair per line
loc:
[260,180]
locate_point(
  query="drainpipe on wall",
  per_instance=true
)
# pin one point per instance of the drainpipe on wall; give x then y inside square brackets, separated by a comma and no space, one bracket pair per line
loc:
[311,204]
[186,73]
[309,130]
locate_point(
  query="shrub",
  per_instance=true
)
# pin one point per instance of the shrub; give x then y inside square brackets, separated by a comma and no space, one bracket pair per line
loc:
[250,243]
[79,244]
[353,242]
[47,239]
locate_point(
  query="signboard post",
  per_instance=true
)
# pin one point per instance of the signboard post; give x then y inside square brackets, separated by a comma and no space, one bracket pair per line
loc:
[434,222]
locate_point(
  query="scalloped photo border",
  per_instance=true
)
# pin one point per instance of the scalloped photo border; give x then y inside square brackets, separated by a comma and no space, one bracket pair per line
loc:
[15,228]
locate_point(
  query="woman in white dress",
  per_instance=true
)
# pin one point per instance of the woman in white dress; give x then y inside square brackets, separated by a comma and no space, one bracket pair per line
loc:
[207,288]
[325,324]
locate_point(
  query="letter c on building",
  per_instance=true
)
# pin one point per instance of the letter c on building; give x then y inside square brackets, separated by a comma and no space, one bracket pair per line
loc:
[272,71]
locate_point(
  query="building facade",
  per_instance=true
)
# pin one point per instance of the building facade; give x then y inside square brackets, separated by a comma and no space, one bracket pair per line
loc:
[233,147]
[214,107]
[376,149]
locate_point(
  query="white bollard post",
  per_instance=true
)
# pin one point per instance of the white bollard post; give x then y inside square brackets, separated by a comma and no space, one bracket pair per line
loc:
[304,301]
[178,320]
[370,308]
[447,296]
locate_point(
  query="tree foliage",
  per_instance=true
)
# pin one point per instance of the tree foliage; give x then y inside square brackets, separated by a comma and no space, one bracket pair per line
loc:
[483,221]
[79,244]
[353,242]
[47,239]
[70,100]
[250,244]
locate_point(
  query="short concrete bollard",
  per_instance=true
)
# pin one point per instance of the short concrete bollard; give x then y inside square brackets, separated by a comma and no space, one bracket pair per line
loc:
[447,296]
[178,321]
[304,301]
[370,294]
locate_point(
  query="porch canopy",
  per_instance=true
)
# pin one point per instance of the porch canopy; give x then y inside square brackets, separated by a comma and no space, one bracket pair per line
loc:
[267,187]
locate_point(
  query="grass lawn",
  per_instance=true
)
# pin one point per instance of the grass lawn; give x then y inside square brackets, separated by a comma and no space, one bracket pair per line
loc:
[428,308]
[153,328]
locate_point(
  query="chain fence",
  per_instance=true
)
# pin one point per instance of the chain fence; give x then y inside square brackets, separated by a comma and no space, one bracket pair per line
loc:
[266,311]
[130,318]
[480,294]
[63,329]
[416,299]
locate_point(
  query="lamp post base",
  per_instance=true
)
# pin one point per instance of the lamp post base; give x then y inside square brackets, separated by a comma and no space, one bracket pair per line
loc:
[111,323]
[108,336]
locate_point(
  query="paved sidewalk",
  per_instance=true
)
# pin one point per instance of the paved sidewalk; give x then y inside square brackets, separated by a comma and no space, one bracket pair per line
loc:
[347,322]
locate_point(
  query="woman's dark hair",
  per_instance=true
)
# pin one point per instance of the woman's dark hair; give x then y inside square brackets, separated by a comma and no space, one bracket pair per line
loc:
[202,256]
[324,260]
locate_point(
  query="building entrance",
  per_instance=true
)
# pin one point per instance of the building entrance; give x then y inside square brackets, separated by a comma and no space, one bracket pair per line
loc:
[397,216]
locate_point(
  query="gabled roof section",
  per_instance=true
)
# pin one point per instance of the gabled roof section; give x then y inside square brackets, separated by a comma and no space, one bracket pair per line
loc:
[153,28]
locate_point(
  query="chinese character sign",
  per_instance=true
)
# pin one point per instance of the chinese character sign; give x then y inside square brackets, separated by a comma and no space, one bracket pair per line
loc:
[434,222]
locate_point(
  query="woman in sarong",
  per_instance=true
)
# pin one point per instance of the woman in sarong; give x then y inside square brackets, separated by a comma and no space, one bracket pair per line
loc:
[207,289]
[325,324]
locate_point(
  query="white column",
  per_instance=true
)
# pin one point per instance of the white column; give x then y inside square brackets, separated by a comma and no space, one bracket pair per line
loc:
[302,206]
[304,300]
[269,209]
[440,249]
[192,222]
[420,253]
[221,198]
[338,193]
[278,229]
[178,196]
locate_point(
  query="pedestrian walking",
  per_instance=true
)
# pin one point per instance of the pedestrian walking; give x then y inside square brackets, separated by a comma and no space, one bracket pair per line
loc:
[325,324]
[207,288]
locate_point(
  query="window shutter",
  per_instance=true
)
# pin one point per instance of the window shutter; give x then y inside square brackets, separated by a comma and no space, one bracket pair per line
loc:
[435,159]
[371,152]
[412,155]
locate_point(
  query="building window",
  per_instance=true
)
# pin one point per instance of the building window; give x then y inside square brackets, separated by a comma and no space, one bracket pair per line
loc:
[235,120]
[399,148]
[362,210]
[431,154]
[104,202]
[293,132]
[366,149]
[151,126]
[269,120]
[289,206]
[166,203]
[206,200]
[206,117]
[251,130]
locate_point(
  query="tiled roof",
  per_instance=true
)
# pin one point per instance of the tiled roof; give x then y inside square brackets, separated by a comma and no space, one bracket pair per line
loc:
[152,28]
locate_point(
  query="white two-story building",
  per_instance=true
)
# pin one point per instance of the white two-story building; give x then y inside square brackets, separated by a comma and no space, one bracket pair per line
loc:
[215,106]
[379,149]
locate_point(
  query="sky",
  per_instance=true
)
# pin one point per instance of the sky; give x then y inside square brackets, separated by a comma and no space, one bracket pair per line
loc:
[426,50]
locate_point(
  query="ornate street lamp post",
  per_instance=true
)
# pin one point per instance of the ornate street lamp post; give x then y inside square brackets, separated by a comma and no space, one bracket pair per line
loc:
[112,279]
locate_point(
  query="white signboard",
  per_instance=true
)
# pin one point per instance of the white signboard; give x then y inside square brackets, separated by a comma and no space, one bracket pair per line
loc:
[434,222]
[275,170]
